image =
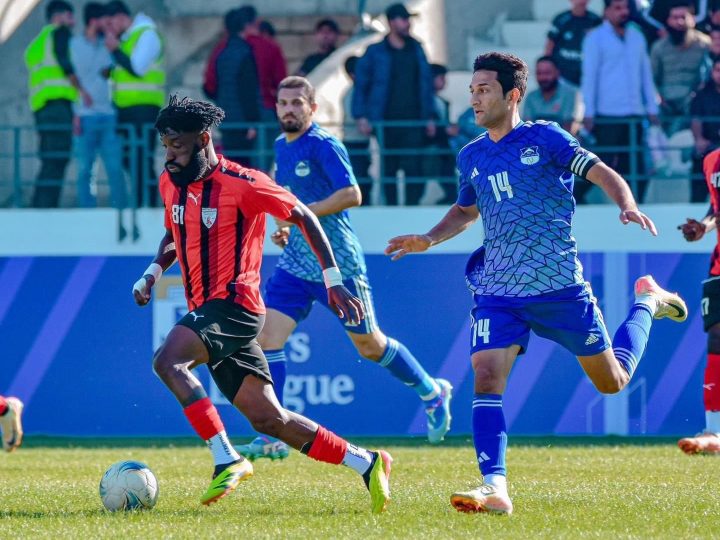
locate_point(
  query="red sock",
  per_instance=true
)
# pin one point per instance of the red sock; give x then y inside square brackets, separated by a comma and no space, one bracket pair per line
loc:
[3,405]
[328,447]
[711,387]
[204,418]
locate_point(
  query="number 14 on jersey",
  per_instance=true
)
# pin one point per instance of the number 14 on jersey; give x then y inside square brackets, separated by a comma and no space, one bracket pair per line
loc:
[501,183]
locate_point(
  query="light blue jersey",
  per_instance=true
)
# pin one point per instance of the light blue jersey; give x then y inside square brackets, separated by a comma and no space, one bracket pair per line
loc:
[523,186]
[313,167]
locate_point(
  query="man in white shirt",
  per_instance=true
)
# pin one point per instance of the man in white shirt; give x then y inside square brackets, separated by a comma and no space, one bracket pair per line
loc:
[619,92]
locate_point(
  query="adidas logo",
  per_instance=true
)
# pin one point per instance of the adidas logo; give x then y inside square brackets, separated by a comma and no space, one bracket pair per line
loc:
[474,173]
[592,339]
[483,457]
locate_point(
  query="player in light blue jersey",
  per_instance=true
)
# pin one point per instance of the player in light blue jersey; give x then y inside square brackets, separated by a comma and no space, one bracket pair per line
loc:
[315,166]
[526,276]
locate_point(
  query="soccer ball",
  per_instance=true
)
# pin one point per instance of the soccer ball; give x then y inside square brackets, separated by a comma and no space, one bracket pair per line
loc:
[128,485]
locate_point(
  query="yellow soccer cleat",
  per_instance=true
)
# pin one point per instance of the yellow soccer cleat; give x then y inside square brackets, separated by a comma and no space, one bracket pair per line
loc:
[377,480]
[226,481]
[486,498]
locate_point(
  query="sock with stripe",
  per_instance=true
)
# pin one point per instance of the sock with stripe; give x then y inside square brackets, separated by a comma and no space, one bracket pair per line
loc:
[3,406]
[329,448]
[401,363]
[631,338]
[490,437]
[711,393]
[206,422]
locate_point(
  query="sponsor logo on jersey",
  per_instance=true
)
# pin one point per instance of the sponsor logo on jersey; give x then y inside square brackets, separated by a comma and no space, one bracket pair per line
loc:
[302,168]
[209,215]
[529,155]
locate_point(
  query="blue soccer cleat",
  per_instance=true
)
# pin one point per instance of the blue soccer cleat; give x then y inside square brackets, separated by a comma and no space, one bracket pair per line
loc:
[438,413]
[264,447]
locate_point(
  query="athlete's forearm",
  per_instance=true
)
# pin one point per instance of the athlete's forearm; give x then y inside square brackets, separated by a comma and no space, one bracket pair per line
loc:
[313,232]
[166,254]
[337,202]
[613,184]
[457,219]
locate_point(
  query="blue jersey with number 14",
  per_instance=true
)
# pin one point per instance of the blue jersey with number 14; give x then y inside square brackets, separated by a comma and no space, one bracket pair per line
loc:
[522,186]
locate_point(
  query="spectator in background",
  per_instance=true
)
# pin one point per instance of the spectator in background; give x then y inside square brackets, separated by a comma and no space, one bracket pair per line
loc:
[327,33]
[712,20]
[267,30]
[677,61]
[393,83]
[564,40]
[139,90]
[467,130]
[618,89]
[712,54]
[441,165]
[53,87]
[706,132]
[95,125]
[356,142]
[238,88]
[553,100]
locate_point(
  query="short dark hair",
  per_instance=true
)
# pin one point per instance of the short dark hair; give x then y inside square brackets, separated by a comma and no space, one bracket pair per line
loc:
[185,115]
[511,71]
[248,14]
[438,69]
[546,59]
[233,22]
[116,7]
[350,63]
[267,28]
[57,6]
[93,10]
[293,81]
[608,3]
[329,23]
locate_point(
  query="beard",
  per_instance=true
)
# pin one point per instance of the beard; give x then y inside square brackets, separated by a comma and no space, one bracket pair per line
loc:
[677,37]
[548,86]
[192,172]
[291,125]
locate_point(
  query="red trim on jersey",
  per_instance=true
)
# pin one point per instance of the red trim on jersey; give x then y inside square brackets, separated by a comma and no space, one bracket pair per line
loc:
[204,418]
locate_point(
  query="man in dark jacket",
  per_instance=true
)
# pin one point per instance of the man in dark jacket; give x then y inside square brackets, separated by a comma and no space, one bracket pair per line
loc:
[393,83]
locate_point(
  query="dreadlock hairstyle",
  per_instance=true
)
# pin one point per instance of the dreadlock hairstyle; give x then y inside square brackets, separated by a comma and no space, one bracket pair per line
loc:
[185,115]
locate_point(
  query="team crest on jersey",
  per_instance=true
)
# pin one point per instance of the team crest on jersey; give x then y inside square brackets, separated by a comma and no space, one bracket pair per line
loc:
[302,168]
[209,215]
[529,155]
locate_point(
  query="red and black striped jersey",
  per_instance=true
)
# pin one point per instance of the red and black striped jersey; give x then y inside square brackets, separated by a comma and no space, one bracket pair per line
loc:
[711,168]
[218,225]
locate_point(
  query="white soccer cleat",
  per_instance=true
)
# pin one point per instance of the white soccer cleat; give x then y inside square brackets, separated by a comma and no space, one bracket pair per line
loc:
[702,443]
[11,424]
[486,498]
[669,304]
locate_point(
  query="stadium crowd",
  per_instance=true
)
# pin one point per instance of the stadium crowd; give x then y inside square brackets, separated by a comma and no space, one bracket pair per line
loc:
[617,80]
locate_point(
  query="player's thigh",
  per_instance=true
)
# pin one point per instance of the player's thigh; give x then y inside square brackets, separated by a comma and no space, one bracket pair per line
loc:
[494,326]
[605,372]
[371,346]
[359,286]
[230,373]
[289,295]
[492,368]
[182,345]
[256,399]
[276,330]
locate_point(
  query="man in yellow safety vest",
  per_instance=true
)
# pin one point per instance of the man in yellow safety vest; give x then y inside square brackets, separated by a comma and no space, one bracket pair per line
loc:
[53,87]
[138,91]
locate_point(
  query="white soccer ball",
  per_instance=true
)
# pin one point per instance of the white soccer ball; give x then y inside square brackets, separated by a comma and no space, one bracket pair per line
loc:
[128,485]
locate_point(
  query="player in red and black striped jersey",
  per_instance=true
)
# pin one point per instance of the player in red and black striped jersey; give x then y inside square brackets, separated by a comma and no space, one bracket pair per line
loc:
[215,227]
[708,441]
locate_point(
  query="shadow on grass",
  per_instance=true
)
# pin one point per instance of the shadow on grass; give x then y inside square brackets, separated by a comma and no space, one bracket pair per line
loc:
[41,441]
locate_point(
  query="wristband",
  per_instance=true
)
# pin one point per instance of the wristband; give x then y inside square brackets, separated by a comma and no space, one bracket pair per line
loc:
[155,270]
[332,277]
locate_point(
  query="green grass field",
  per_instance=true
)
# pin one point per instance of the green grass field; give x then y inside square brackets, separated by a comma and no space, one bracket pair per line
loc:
[561,488]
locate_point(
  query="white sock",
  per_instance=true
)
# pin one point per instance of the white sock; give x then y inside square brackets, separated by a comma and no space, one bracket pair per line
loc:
[712,421]
[498,481]
[649,300]
[358,458]
[222,451]
[435,392]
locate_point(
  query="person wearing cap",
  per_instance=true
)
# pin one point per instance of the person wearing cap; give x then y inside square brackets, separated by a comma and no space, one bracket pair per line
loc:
[138,89]
[327,33]
[393,83]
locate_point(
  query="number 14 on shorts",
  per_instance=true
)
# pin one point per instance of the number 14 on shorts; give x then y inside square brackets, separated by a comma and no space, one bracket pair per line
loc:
[481,330]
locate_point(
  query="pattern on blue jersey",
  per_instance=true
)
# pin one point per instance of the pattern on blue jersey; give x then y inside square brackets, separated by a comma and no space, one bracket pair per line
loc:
[313,167]
[522,186]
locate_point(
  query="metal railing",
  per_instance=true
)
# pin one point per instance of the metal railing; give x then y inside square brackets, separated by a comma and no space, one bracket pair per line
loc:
[395,174]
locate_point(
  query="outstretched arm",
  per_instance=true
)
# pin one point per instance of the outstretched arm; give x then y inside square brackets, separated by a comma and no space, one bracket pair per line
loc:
[163,260]
[457,219]
[339,298]
[618,190]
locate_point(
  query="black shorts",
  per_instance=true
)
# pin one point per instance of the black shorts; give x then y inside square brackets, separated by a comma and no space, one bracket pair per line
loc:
[710,303]
[229,332]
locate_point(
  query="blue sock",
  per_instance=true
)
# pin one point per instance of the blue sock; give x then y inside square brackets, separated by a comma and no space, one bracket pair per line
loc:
[489,433]
[278,370]
[399,361]
[631,338]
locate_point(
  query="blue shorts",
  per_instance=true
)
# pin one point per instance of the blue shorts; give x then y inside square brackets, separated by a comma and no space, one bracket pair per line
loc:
[295,297]
[569,317]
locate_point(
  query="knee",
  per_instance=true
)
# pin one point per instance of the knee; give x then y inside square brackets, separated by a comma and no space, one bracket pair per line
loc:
[267,422]
[612,385]
[163,364]
[488,381]
[371,350]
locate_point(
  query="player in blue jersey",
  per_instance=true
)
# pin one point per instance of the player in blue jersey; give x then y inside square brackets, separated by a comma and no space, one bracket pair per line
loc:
[526,276]
[315,166]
